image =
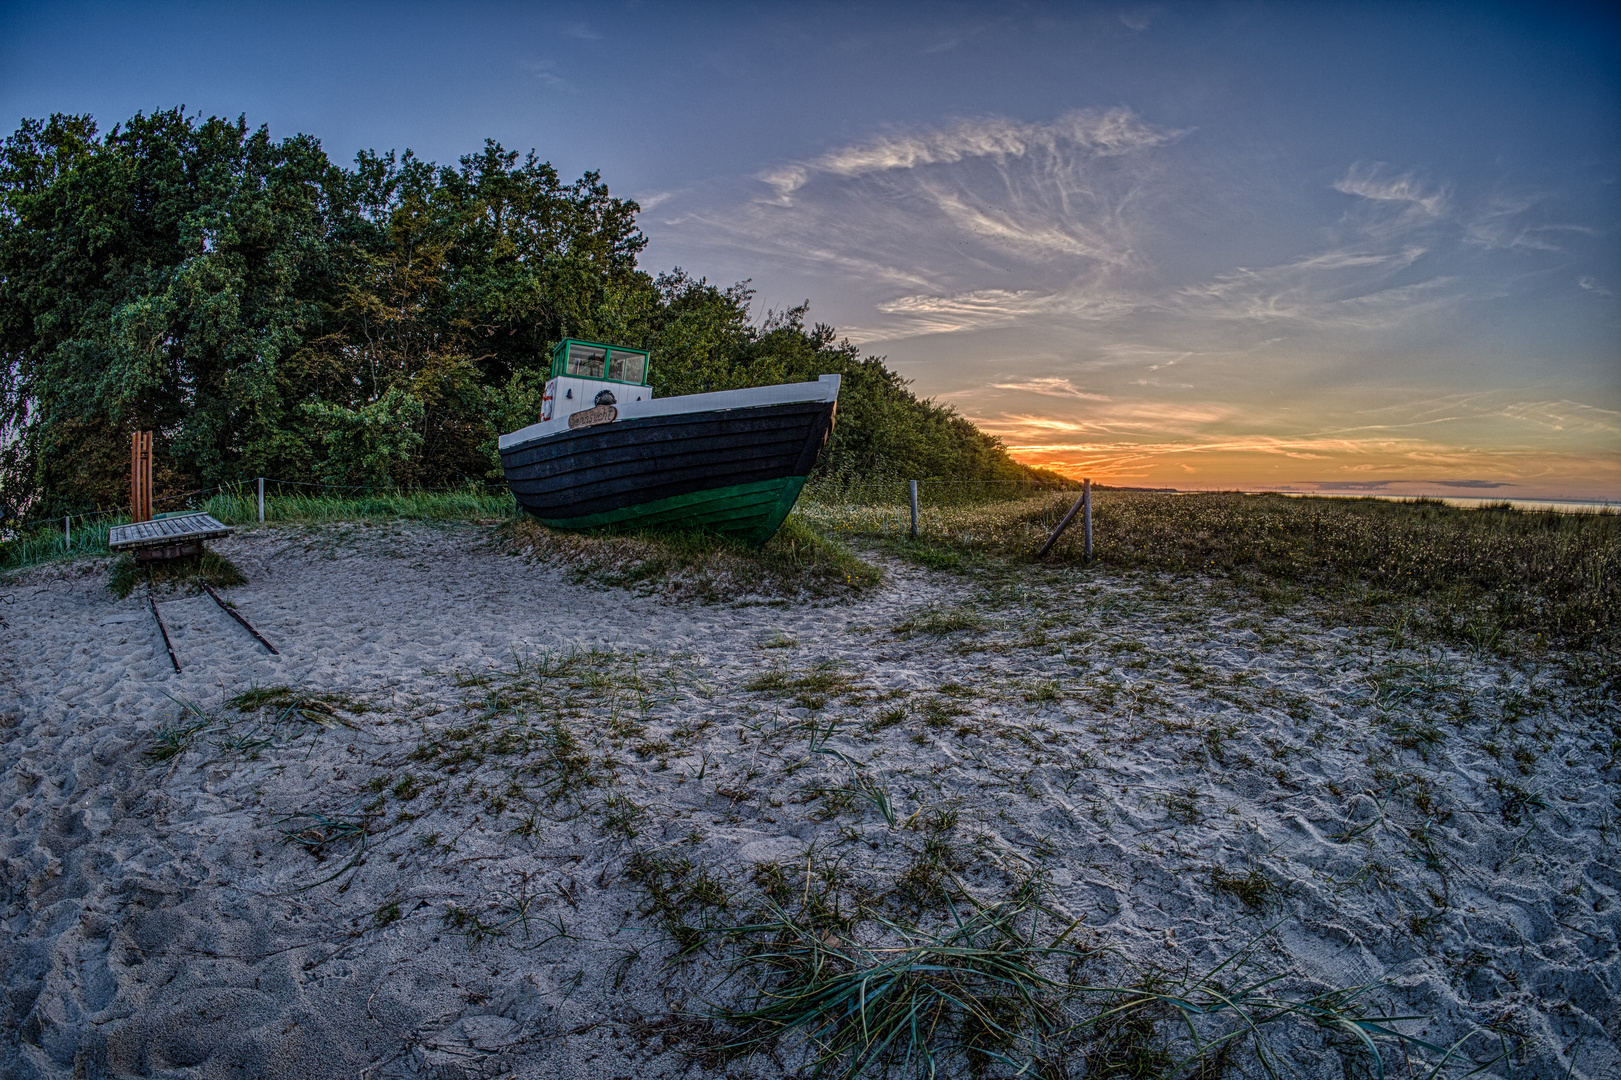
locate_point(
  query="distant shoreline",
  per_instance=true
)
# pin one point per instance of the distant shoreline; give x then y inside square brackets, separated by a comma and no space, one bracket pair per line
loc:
[1465,502]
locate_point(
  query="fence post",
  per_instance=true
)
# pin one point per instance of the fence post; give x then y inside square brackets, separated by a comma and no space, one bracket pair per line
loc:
[261,500]
[1086,511]
[914,508]
[67,531]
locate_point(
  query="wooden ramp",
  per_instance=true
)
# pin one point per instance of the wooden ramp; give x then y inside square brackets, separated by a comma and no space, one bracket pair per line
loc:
[167,538]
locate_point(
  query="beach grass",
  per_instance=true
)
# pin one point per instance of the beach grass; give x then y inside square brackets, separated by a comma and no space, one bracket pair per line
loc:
[979,989]
[239,507]
[799,561]
[210,566]
[1488,577]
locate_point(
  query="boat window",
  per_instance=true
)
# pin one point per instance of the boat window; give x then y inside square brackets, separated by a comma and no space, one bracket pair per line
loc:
[586,360]
[626,366]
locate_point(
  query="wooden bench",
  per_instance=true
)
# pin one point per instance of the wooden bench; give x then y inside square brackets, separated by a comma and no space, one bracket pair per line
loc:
[166,537]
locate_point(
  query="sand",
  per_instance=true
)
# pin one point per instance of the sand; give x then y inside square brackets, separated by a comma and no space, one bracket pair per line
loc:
[1436,821]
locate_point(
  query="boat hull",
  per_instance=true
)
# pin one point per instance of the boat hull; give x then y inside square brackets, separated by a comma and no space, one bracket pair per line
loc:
[735,472]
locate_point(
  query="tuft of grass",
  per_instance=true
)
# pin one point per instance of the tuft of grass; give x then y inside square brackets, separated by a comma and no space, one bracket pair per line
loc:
[797,562]
[938,622]
[811,688]
[287,703]
[210,566]
[174,739]
[975,989]
[1252,889]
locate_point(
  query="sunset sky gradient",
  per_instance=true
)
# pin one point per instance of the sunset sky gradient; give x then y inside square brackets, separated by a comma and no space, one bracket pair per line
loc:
[1314,246]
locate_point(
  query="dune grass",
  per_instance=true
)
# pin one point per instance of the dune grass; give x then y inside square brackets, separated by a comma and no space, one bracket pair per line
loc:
[240,508]
[797,562]
[987,991]
[210,566]
[1479,576]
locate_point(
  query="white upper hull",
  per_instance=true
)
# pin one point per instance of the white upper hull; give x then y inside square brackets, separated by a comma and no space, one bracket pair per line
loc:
[825,388]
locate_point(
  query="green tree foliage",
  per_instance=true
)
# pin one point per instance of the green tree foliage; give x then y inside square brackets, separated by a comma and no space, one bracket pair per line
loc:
[267,312]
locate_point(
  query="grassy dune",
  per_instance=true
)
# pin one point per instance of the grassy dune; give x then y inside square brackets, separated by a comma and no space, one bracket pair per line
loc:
[1491,577]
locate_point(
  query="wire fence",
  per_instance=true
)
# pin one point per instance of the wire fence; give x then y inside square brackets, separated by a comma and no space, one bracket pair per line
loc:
[67,521]
[239,503]
[970,514]
[876,504]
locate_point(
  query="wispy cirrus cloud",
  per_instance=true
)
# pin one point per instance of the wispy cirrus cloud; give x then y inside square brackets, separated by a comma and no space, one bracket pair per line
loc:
[1051,387]
[1378,183]
[1104,134]
[1347,289]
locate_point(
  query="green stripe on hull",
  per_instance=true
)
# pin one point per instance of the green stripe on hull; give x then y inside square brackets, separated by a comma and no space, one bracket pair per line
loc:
[751,513]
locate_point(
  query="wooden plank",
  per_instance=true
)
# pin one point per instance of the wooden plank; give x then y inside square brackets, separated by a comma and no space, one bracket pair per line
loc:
[164,630]
[233,613]
[165,531]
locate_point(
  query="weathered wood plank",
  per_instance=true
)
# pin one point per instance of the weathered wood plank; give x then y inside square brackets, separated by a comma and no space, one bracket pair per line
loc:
[166,531]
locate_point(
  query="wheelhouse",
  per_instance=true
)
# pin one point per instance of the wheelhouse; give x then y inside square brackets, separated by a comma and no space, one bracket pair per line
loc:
[595,360]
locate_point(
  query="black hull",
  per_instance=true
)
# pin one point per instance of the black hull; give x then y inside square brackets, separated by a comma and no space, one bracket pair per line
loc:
[683,470]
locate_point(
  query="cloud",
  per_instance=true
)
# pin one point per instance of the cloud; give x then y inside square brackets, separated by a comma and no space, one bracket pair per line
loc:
[953,214]
[653,198]
[1340,289]
[1104,134]
[582,32]
[1138,19]
[1592,285]
[1379,485]
[542,71]
[1374,182]
[1051,387]
[985,309]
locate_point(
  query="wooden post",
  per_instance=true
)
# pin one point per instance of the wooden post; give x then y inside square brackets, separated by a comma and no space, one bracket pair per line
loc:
[1086,514]
[1086,496]
[140,476]
[261,500]
[914,509]
[67,530]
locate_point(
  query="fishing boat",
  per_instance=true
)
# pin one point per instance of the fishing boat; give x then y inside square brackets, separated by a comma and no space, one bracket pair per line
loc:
[607,454]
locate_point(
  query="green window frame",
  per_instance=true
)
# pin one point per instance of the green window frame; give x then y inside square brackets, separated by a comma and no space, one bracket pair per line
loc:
[599,360]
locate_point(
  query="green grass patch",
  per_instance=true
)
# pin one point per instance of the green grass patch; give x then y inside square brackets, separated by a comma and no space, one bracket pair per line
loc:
[798,561]
[210,566]
[938,622]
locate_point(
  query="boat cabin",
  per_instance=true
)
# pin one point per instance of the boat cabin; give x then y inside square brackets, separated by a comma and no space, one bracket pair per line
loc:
[591,374]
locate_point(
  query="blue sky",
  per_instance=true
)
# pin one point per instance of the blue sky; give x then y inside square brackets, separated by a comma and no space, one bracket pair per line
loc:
[1353,246]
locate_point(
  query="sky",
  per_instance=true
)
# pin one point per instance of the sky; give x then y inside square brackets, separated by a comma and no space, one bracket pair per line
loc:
[1368,247]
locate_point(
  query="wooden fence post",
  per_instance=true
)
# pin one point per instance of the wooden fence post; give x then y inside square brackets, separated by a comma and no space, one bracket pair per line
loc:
[140,476]
[67,530]
[261,500]
[914,509]
[1084,501]
[1086,513]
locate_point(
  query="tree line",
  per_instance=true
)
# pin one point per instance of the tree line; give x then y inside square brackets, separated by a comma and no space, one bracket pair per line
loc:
[267,312]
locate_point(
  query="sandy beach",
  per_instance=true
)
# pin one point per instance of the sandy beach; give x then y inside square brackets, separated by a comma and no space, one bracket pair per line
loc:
[445,833]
